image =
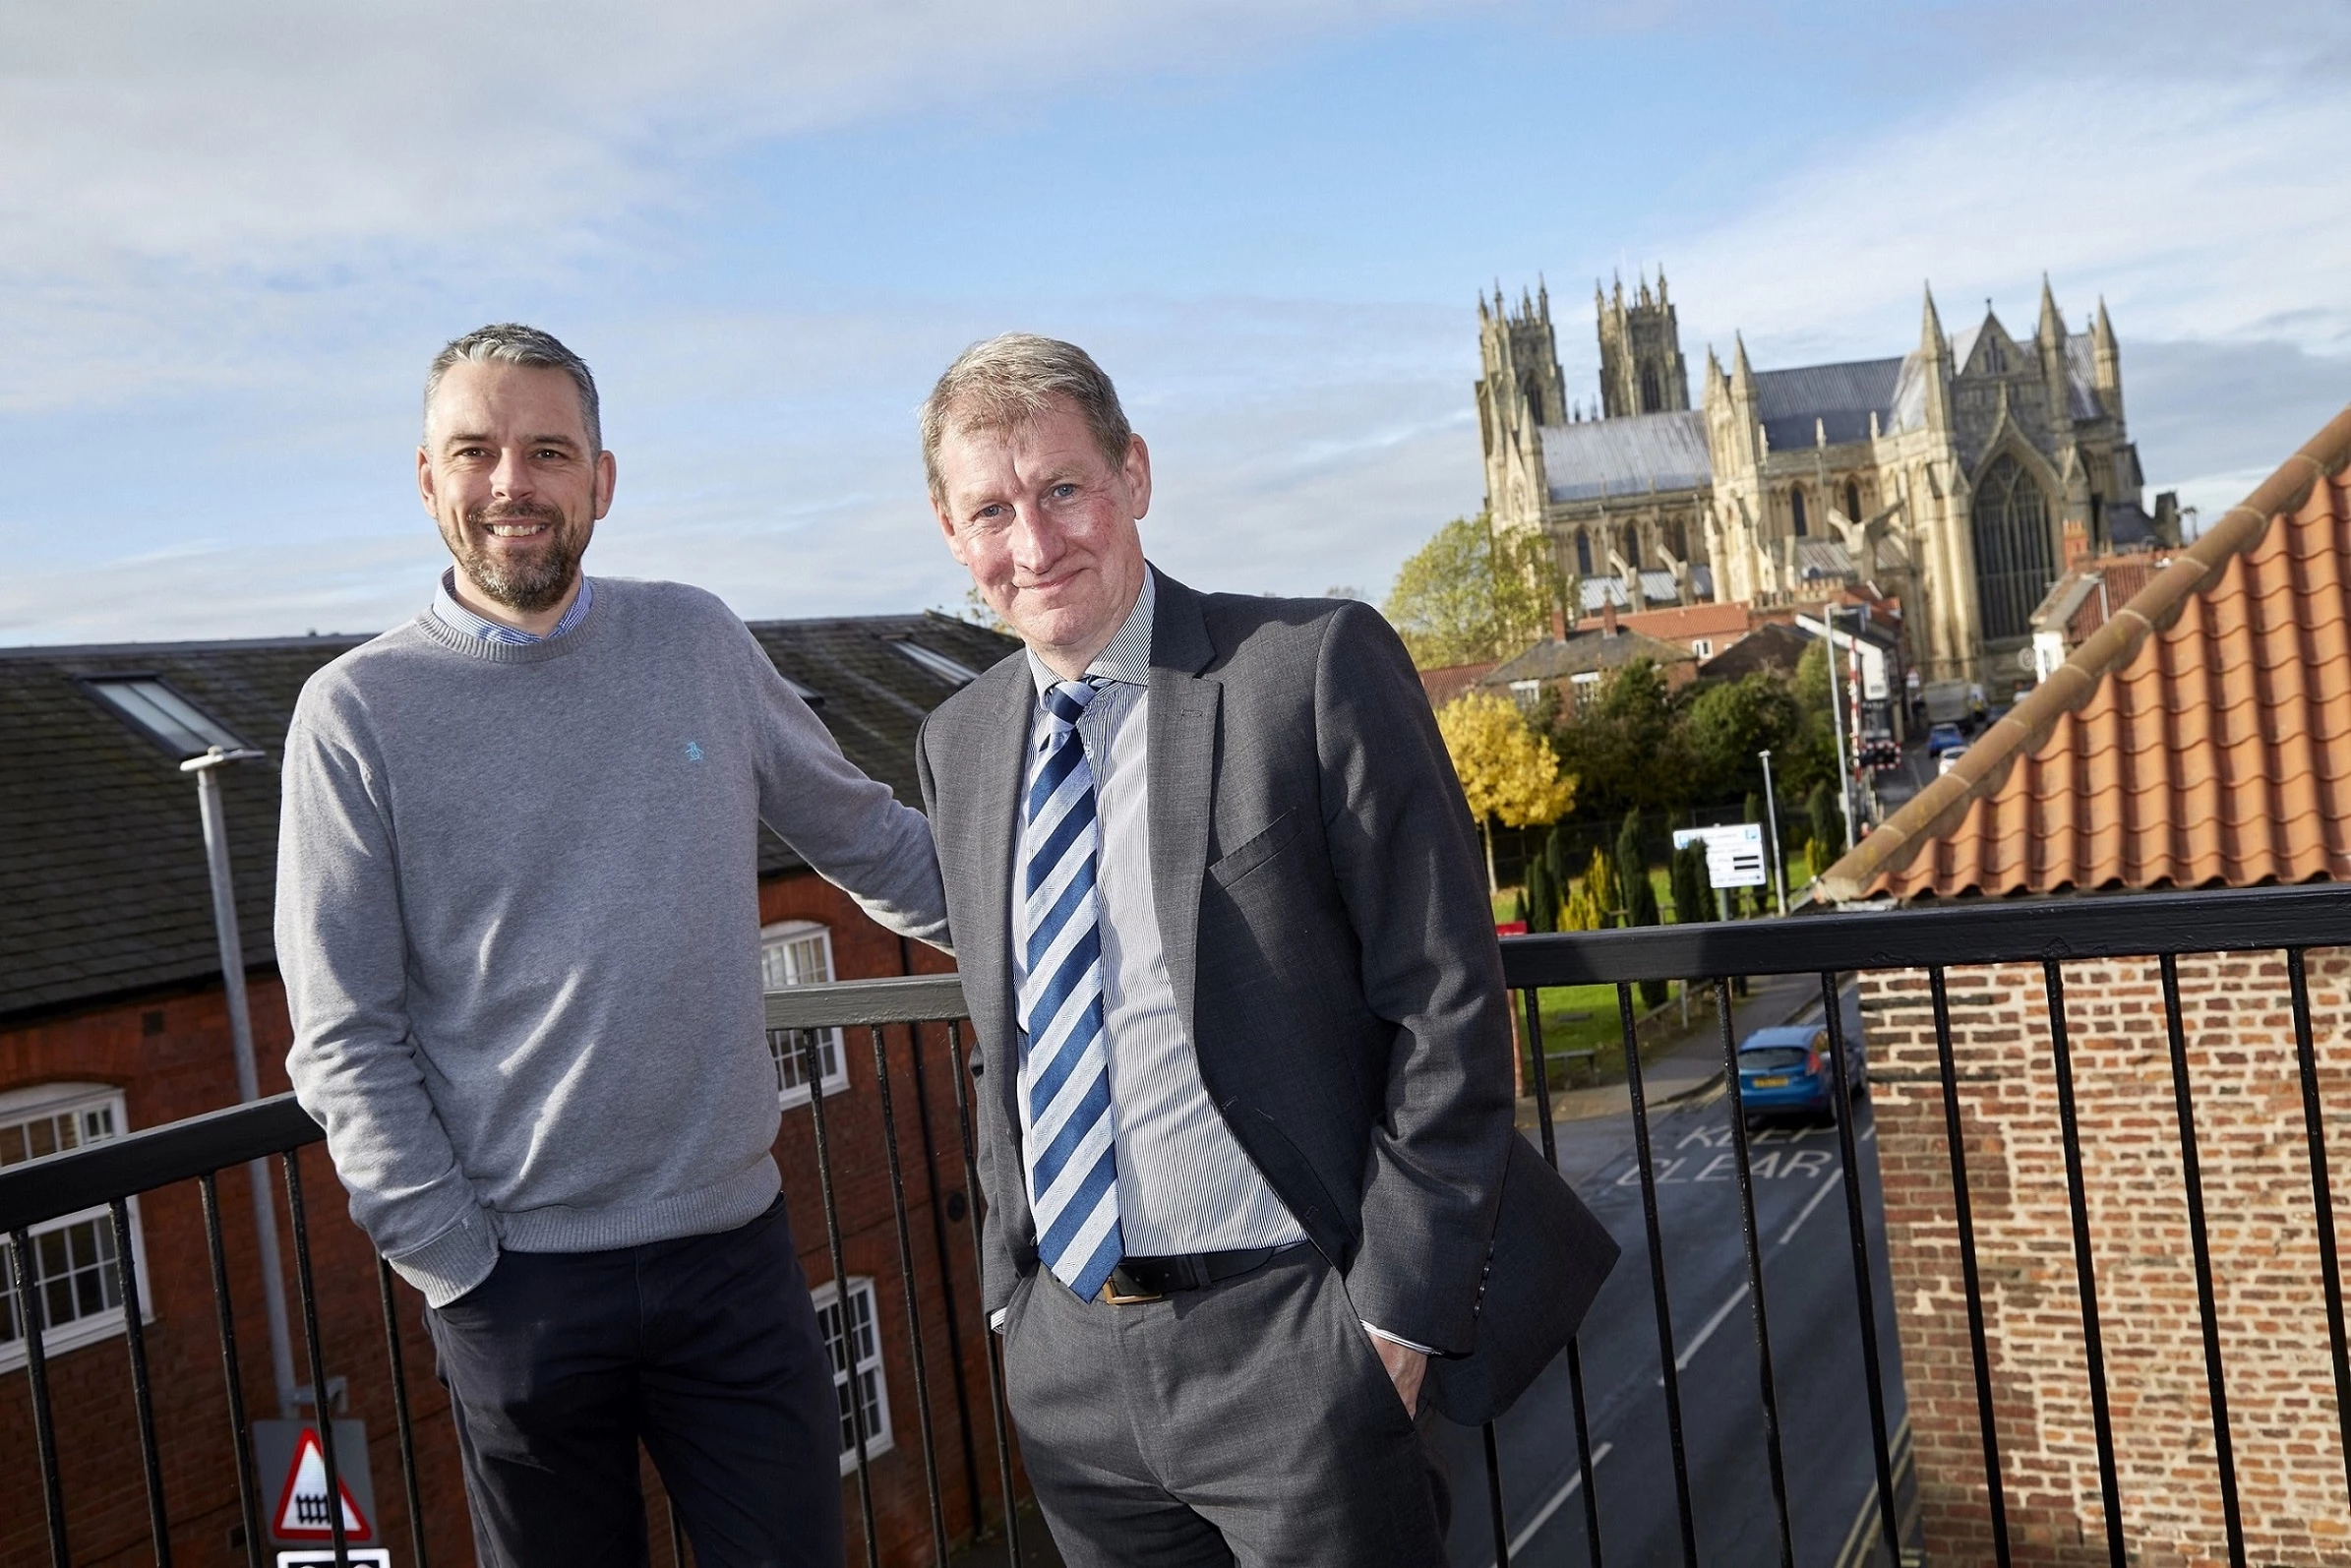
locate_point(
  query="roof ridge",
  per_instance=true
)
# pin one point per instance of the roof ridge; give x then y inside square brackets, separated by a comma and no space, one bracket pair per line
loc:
[1985,766]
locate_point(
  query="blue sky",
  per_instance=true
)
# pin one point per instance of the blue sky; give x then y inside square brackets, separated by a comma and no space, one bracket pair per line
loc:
[236,233]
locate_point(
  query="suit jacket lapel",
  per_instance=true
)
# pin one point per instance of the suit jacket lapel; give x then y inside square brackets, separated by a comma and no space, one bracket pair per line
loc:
[1183,766]
[997,744]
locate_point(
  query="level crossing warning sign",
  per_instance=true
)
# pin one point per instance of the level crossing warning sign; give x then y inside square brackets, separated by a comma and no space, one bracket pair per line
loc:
[304,1511]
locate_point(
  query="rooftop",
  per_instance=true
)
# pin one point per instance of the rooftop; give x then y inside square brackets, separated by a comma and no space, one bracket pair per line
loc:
[2201,737]
[1629,455]
[1583,651]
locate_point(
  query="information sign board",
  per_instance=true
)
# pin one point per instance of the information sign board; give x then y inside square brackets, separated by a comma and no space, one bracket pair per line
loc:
[1734,855]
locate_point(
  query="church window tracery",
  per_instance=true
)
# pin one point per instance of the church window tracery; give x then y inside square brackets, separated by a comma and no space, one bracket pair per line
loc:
[1583,553]
[1651,401]
[2009,523]
[1852,501]
[1795,508]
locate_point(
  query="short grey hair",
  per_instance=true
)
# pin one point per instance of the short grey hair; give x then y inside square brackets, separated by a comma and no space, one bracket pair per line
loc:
[513,343]
[1005,381]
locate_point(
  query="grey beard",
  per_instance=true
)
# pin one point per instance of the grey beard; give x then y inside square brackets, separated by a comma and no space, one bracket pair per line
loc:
[532,586]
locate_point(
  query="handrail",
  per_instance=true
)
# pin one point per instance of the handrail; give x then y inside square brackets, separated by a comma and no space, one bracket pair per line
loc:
[39,1191]
[1989,932]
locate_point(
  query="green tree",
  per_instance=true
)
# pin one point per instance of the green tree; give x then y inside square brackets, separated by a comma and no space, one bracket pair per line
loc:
[1728,722]
[1811,754]
[1640,894]
[1692,891]
[1543,896]
[1826,822]
[1470,594]
[1508,773]
[1599,891]
[1627,748]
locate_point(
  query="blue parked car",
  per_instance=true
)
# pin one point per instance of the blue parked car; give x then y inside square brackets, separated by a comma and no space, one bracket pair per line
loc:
[1942,738]
[1788,1069]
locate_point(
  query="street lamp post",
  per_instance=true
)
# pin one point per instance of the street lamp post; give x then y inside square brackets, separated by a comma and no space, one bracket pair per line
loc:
[1772,814]
[1844,777]
[240,1027]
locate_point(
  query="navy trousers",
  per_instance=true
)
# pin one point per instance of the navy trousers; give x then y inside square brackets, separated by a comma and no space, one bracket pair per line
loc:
[705,1348]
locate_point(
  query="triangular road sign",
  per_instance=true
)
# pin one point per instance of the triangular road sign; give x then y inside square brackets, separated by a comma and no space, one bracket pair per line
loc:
[301,1513]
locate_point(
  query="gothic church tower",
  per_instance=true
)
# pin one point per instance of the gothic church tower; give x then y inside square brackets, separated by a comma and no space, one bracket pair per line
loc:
[1520,392]
[1640,352]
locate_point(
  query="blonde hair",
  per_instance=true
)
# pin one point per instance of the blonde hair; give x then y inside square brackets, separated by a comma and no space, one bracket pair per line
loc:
[1007,381]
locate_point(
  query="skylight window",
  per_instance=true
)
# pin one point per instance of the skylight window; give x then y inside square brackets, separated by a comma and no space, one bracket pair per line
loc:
[807,694]
[938,664]
[164,716]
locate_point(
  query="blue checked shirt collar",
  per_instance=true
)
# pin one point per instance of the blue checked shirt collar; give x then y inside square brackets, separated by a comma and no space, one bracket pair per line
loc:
[450,612]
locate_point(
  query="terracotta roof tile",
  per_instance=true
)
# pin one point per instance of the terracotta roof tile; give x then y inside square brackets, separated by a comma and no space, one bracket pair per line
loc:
[2201,735]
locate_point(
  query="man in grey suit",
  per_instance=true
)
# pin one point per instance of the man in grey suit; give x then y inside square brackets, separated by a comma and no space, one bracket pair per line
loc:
[1246,1108]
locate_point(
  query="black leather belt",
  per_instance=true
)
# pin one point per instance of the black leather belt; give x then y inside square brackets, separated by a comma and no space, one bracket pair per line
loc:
[1137,1280]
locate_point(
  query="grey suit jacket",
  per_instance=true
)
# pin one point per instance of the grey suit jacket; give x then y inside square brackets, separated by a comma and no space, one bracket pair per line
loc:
[1321,897]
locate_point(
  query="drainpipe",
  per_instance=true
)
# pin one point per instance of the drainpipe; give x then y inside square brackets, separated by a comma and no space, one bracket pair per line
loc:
[240,1027]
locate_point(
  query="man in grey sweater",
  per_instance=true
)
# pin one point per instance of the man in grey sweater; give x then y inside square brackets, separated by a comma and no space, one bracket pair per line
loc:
[518,919]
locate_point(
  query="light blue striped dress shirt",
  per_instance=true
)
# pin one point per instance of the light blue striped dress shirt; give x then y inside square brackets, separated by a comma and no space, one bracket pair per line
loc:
[450,612]
[1184,1185]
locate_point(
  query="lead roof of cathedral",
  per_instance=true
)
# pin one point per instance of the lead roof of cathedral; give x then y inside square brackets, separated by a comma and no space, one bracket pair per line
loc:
[1630,455]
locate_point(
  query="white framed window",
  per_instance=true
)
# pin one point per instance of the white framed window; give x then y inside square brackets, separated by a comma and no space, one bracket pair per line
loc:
[75,1274]
[1702,647]
[799,953]
[853,1338]
[1526,692]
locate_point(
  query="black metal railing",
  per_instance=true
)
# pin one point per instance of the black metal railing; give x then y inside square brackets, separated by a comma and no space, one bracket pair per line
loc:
[2051,935]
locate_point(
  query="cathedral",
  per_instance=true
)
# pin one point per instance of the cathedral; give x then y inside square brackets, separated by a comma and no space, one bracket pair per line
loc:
[1952,476]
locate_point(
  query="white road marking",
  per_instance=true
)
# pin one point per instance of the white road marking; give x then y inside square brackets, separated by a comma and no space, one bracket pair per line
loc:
[1681,1363]
[1558,1500]
[1805,1213]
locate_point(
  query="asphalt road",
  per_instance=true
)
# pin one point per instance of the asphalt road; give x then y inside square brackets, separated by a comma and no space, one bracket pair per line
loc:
[1816,1366]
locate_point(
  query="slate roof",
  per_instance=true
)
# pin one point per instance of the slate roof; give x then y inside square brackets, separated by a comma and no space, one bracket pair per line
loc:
[2201,737]
[1841,397]
[103,887]
[1629,455]
[1583,650]
[1775,646]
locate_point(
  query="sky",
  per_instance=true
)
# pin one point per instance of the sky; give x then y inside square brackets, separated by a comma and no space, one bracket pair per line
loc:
[231,235]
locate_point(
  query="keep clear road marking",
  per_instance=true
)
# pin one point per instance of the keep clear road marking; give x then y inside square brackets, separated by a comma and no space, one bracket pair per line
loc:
[1681,1363]
[1558,1500]
[1805,1213]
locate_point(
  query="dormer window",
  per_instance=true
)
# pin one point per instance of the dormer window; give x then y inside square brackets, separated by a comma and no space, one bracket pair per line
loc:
[938,664]
[163,715]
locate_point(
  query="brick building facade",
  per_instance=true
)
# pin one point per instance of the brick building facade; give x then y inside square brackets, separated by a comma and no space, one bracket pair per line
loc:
[113,1019]
[2199,737]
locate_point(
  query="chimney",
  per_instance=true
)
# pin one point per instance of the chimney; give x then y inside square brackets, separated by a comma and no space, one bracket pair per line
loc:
[1558,623]
[2075,545]
[1608,617]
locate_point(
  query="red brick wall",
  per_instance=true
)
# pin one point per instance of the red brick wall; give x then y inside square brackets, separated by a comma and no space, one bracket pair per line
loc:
[180,1067]
[171,1058]
[2271,1311]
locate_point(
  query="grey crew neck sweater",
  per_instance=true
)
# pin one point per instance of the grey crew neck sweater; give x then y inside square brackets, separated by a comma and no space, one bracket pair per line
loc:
[518,917]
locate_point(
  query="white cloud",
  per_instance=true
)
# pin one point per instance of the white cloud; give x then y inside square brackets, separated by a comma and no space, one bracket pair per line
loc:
[2198,209]
[181,184]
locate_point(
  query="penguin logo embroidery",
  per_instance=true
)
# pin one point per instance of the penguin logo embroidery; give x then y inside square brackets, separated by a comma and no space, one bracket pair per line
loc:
[694,751]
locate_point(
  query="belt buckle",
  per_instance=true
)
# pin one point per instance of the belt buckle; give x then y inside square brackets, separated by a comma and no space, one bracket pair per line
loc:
[1112,1297]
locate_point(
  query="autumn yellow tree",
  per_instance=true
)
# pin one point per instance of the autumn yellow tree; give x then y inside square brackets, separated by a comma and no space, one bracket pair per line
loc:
[1509,774]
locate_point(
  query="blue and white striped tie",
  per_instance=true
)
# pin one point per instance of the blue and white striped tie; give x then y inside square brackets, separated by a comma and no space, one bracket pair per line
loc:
[1072,1165]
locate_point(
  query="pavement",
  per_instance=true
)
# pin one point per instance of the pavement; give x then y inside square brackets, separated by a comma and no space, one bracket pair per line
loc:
[1688,1068]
